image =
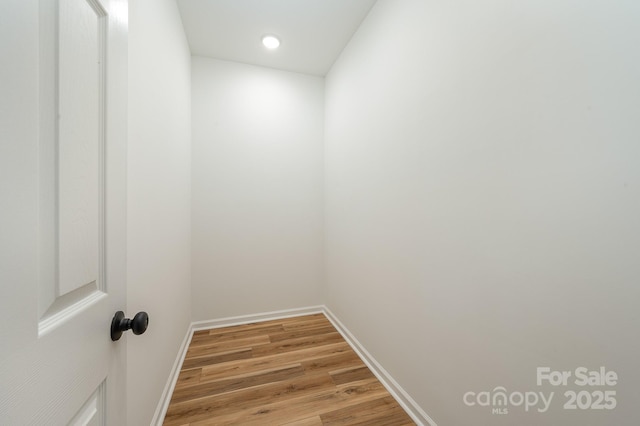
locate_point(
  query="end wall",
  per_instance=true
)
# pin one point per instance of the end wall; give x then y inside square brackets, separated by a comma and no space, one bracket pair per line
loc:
[159,215]
[483,196]
[257,189]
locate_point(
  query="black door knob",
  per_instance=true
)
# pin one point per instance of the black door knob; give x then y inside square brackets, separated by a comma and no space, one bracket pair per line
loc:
[120,324]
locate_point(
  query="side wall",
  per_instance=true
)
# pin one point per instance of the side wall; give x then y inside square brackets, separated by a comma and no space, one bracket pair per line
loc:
[483,196]
[159,198]
[257,189]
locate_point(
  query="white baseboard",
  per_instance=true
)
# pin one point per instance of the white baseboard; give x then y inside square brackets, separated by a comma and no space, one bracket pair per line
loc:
[404,399]
[410,406]
[165,398]
[247,319]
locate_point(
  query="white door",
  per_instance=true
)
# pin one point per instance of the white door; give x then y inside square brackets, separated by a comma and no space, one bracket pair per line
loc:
[62,210]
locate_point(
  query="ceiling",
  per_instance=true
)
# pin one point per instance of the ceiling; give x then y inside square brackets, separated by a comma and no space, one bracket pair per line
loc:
[312,32]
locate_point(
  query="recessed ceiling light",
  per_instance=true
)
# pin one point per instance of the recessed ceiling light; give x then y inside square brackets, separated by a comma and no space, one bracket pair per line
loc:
[270,42]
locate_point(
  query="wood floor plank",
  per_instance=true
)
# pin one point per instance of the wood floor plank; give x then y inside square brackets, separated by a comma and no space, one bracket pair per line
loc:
[333,362]
[230,369]
[214,346]
[295,333]
[301,407]
[237,402]
[307,323]
[310,421]
[201,390]
[206,360]
[293,371]
[298,343]
[223,335]
[351,374]
[383,411]
[188,377]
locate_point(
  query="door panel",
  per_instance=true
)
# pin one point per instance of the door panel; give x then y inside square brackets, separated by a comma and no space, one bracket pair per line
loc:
[62,246]
[92,413]
[72,159]
[81,59]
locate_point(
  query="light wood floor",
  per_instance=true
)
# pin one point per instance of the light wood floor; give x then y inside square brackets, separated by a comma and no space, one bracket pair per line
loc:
[295,371]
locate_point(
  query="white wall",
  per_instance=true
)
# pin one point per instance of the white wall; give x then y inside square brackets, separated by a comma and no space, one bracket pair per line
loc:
[483,196]
[257,189]
[159,215]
